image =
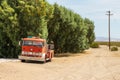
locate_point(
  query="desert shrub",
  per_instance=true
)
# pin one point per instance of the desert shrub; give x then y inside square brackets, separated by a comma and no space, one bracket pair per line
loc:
[94,45]
[114,48]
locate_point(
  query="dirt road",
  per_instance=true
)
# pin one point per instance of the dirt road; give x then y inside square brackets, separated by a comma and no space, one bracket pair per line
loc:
[95,64]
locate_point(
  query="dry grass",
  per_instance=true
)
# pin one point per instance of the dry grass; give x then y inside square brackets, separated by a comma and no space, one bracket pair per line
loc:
[112,43]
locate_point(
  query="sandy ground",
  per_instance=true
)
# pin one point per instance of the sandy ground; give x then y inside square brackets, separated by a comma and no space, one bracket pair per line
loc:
[95,64]
[7,60]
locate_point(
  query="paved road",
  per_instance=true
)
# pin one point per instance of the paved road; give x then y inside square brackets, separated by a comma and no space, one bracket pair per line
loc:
[95,64]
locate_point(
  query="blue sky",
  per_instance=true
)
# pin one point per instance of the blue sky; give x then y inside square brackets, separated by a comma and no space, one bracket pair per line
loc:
[96,10]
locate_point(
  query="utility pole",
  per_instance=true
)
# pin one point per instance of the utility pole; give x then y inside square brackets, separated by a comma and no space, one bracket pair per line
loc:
[109,14]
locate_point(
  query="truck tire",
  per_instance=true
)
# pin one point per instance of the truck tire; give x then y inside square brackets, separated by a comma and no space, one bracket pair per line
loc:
[50,58]
[22,60]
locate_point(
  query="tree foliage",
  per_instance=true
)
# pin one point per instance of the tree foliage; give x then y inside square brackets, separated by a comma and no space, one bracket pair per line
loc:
[33,17]
[90,30]
[69,31]
[8,27]
[21,18]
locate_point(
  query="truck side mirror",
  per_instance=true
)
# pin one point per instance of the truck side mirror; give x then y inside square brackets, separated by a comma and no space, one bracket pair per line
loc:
[20,43]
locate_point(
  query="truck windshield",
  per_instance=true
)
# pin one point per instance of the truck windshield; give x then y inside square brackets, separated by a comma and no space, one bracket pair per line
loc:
[32,43]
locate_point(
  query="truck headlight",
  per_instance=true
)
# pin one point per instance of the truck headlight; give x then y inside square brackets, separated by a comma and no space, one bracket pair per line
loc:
[43,55]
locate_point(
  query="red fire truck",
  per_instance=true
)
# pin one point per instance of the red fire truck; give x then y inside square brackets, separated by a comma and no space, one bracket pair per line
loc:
[36,49]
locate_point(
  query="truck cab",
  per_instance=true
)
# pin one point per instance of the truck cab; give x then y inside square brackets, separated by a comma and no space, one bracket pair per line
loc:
[35,49]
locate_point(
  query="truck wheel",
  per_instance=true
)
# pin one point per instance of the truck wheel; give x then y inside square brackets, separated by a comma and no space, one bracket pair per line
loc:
[22,60]
[50,59]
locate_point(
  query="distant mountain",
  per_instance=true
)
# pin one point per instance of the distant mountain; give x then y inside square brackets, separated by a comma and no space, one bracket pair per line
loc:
[106,39]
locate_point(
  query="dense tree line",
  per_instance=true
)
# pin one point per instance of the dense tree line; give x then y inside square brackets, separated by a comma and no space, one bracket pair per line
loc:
[21,18]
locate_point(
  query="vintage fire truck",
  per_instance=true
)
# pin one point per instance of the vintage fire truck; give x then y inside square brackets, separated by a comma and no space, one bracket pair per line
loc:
[36,49]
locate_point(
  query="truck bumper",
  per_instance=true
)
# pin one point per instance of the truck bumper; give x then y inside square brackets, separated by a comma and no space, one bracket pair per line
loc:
[31,58]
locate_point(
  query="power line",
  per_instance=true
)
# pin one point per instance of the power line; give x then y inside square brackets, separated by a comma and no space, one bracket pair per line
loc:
[109,14]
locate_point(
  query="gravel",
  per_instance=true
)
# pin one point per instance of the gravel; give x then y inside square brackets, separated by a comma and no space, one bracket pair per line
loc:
[8,60]
[93,64]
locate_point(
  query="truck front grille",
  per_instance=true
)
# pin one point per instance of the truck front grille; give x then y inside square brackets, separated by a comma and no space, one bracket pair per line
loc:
[32,54]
